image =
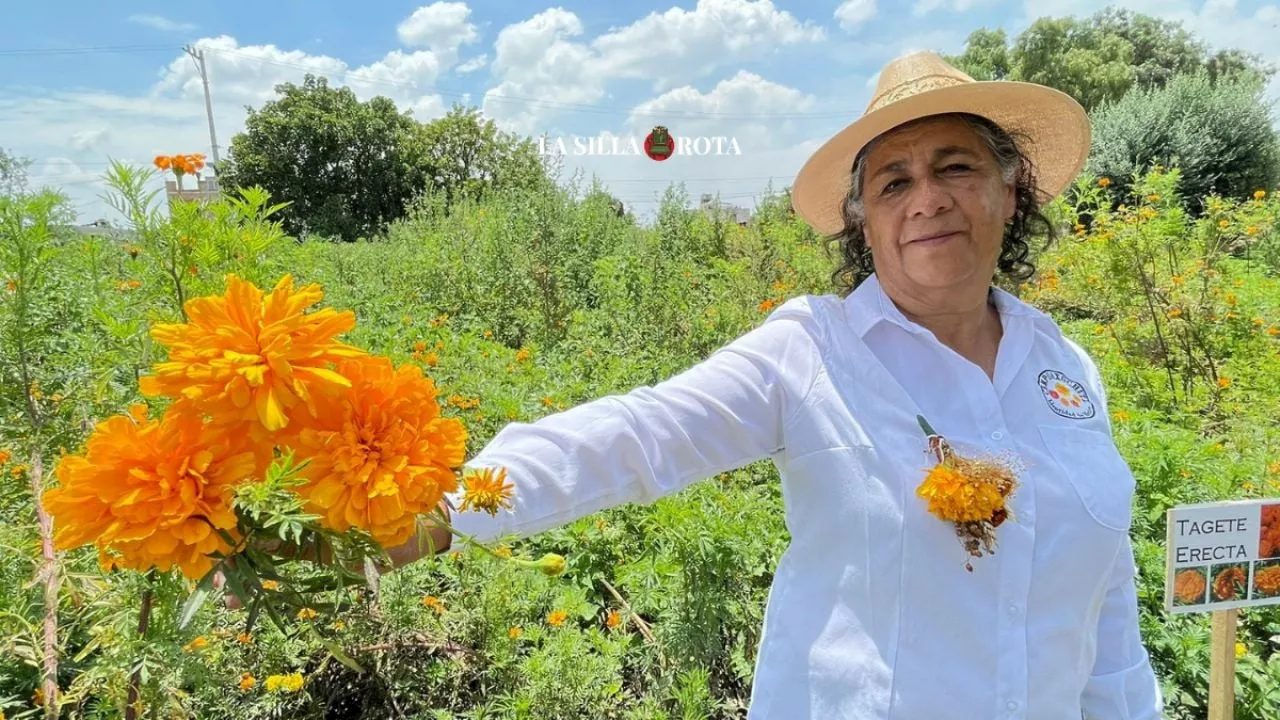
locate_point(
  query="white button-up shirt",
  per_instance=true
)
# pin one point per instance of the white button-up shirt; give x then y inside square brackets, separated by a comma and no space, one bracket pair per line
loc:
[872,614]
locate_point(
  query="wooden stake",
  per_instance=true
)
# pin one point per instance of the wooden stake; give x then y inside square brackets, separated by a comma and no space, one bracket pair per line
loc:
[1222,666]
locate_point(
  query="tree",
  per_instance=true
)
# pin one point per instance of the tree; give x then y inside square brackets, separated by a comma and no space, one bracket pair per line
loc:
[1069,55]
[1098,59]
[349,168]
[986,55]
[1161,49]
[462,155]
[340,163]
[13,173]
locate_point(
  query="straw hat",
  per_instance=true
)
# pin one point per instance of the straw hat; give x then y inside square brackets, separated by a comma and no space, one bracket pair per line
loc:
[922,84]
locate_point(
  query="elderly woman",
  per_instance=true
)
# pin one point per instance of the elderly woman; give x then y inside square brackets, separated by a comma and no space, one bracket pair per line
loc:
[890,602]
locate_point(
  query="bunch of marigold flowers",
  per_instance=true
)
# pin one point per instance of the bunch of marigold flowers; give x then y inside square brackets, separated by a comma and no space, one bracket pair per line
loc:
[972,493]
[261,393]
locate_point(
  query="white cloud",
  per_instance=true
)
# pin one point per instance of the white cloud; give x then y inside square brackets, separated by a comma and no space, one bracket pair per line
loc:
[681,45]
[88,139]
[542,57]
[441,27]
[162,24]
[247,75]
[472,65]
[726,110]
[852,14]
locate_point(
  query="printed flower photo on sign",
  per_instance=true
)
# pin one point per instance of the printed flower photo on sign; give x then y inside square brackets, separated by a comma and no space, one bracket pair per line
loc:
[1266,579]
[1269,537]
[1230,582]
[1190,586]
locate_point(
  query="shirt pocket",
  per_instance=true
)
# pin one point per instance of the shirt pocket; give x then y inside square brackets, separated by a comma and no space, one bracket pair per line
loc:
[1096,470]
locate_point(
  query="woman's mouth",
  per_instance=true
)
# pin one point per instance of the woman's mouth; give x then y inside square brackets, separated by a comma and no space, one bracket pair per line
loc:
[937,239]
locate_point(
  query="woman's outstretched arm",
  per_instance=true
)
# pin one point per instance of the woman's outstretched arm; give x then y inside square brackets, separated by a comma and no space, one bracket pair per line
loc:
[723,413]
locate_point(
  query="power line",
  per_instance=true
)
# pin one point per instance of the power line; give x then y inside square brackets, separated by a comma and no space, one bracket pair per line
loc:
[89,50]
[586,108]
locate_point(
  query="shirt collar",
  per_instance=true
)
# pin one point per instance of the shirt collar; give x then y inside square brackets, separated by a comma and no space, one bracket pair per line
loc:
[869,305]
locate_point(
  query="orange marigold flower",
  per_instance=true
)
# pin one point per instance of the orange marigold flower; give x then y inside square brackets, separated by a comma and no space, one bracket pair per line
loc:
[957,497]
[614,619]
[5,456]
[434,603]
[247,681]
[1104,182]
[378,453]
[270,585]
[307,613]
[514,633]
[557,617]
[252,357]
[198,643]
[152,494]
[163,162]
[486,490]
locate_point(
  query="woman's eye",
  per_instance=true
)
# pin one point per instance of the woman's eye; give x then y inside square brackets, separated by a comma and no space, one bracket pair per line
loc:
[891,186]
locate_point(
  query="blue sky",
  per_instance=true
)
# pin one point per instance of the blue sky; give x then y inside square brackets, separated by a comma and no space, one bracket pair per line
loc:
[109,80]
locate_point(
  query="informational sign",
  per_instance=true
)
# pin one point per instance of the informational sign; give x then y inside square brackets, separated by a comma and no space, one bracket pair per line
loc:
[1223,555]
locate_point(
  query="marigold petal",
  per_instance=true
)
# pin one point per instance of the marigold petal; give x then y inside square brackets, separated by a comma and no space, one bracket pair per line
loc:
[269,410]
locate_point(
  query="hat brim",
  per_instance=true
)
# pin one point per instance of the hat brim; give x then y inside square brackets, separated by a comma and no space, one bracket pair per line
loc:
[1054,127]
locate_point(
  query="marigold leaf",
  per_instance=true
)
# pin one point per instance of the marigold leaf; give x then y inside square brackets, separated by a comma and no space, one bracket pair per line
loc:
[924,425]
[339,655]
[197,599]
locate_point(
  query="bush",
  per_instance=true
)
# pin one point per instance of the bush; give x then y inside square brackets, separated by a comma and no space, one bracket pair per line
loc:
[1219,133]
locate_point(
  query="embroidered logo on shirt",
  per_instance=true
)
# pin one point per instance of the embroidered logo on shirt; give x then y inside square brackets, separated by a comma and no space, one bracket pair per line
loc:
[1066,396]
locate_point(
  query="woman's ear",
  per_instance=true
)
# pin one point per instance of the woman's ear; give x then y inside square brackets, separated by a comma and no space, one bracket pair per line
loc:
[1010,201]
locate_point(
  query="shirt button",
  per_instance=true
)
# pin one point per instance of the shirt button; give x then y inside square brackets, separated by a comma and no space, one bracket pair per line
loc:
[1013,609]
[1012,705]
[997,435]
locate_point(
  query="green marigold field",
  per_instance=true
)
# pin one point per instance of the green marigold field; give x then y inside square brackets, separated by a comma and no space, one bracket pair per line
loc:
[529,303]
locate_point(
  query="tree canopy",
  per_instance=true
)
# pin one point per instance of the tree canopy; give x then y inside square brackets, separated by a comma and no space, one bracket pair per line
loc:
[1100,58]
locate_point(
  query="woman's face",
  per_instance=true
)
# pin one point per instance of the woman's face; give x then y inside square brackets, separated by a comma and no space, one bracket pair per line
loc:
[936,207]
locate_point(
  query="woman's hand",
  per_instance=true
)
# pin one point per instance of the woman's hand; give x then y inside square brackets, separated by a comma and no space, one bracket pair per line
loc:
[428,539]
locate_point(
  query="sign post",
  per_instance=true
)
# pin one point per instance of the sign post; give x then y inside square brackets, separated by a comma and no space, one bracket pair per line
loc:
[1223,557]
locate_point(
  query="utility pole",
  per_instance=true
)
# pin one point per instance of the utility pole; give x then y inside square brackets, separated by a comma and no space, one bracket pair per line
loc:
[198,57]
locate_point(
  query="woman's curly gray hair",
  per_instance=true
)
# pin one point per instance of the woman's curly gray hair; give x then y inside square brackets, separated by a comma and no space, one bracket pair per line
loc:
[856,263]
